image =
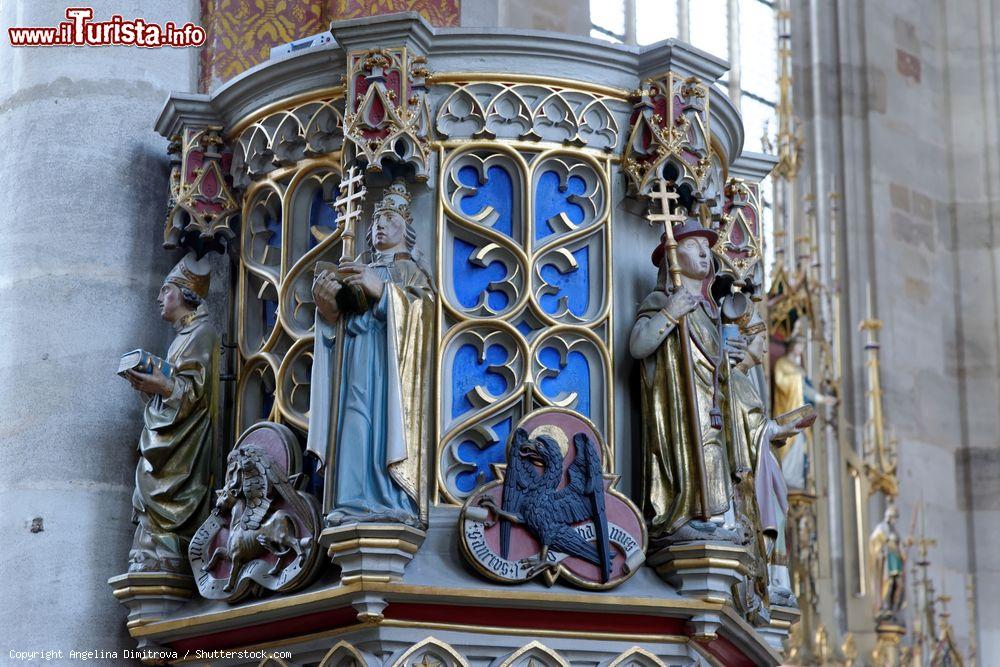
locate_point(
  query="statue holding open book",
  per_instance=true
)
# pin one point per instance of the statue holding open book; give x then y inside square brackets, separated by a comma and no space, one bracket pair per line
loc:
[370,406]
[173,480]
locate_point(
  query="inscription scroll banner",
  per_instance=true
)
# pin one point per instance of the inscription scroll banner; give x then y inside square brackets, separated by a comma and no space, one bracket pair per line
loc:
[504,569]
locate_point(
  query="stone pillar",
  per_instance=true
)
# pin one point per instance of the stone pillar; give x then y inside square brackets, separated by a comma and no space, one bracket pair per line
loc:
[83,201]
[899,105]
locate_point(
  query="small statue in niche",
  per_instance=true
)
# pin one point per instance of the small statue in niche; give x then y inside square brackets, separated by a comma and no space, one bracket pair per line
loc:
[792,389]
[173,481]
[689,478]
[371,401]
[888,567]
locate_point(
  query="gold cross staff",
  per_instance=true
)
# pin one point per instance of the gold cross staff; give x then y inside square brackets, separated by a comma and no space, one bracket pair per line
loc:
[668,220]
[349,210]
[665,195]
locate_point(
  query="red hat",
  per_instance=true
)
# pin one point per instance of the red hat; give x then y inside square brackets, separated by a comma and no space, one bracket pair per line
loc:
[690,228]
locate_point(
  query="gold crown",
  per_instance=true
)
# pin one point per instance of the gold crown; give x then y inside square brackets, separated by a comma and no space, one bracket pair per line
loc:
[396,199]
[183,276]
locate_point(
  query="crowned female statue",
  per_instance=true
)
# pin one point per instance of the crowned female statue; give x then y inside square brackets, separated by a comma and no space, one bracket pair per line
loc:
[370,402]
[173,481]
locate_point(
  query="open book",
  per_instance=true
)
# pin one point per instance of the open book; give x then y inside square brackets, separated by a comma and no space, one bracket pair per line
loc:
[802,417]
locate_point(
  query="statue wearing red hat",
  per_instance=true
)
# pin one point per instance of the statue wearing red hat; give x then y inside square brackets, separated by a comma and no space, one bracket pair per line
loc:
[688,482]
[680,488]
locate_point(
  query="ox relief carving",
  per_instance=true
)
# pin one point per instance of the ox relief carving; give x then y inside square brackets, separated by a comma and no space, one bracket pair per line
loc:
[262,533]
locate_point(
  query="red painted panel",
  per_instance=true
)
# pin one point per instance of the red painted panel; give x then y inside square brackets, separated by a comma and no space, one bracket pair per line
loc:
[727,654]
[263,632]
[458,615]
[545,619]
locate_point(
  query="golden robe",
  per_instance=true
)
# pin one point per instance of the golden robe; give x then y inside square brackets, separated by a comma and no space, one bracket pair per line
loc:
[790,393]
[411,319]
[173,481]
[672,494]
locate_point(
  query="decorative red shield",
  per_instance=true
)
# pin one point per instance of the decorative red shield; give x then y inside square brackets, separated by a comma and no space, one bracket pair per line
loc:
[590,526]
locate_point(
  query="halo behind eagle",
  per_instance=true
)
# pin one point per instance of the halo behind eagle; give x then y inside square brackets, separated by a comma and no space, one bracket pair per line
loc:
[552,431]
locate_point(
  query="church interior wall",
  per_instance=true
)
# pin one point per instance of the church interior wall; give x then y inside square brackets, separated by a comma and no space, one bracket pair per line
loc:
[898,98]
[83,177]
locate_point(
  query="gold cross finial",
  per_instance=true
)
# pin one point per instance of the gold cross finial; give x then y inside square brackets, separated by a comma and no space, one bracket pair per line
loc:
[665,194]
[665,197]
[352,192]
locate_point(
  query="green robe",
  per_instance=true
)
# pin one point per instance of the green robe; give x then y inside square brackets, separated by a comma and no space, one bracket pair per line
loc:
[173,480]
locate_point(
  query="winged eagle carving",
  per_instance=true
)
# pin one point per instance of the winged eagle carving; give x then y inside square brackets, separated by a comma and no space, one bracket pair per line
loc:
[532,498]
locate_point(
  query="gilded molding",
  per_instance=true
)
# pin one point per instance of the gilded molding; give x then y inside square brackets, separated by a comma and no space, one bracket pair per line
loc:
[442,651]
[531,650]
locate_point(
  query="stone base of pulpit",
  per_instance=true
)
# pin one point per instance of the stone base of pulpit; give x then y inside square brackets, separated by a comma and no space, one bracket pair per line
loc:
[371,553]
[703,570]
[782,620]
[150,596]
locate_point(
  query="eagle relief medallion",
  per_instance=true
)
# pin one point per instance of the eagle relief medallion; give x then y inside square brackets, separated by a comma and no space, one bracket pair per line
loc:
[553,512]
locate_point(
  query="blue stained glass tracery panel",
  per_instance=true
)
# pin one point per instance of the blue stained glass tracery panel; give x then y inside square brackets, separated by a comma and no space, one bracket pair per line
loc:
[497,191]
[470,281]
[321,214]
[574,285]
[269,308]
[573,377]
[273,225]
[467,373]
[550,201]
[469,452]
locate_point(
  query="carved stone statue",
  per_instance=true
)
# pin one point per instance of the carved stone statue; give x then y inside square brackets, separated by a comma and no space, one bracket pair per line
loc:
[371,400]
[176,449]
[685,474]
[689,476]
[888,567]
[791,390]
[750,426]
